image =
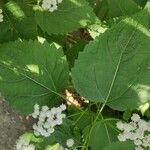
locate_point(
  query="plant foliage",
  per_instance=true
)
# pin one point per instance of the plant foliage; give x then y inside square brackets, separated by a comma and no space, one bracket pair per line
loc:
[91,55]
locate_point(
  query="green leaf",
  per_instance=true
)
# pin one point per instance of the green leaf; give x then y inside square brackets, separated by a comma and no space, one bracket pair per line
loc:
[81,118]
[147,113]
[30,136]
[114,68]
[46,142]
[102,134]
[53,38]
[115,8]
[71,15]
[72,53]
[41,143]
[127,115]
[101,9]
[31,73]
[91,3]
[67,131]
[144,16]
[19,22]
[141,2]
[128,145]
[55,147]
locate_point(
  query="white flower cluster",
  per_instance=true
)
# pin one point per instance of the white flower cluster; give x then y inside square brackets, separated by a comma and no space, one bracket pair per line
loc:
[70,143]
[24,144]
[1,15]
[47,119]
[50,5]
[137,130]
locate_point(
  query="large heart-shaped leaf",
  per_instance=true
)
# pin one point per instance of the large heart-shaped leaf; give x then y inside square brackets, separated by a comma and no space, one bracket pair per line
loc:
[71,14]
[102,134]
[114,68]
[32,73]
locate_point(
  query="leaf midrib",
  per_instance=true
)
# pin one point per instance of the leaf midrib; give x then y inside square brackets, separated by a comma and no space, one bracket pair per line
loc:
[118,65]
[31,79]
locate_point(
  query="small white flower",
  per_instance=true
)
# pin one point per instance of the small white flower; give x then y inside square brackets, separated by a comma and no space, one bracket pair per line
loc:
[53,8]
[46,4]
[40,122]
[43,133]
[23,141]
[135,117]
[120,125]
[41,119]
[128,135]
[139,133]
[36,133]
[59,1]
[46,125]
[139,148]
[42,114]
[63,115]
[128,127]
[48,113]
[24,144]
[142,125]
[47,119]
[58,110]
[34,115]
[46,134]
[137,130]
[45,108]
[36,107]
[146,141]
[36,111]
[148,126]
[60,116]
[137,142]
[70,142]
[35,127]
[59,121]
[63,107]
[29,147]
[54,110]
[121,138]
[50,5]
[40,129]
[133,136]
[133,125]
[50,130]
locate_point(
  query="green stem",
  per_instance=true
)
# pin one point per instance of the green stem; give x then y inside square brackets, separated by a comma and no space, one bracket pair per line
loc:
[88,136]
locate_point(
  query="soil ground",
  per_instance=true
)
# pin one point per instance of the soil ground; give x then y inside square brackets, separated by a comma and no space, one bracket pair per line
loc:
[11,126]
